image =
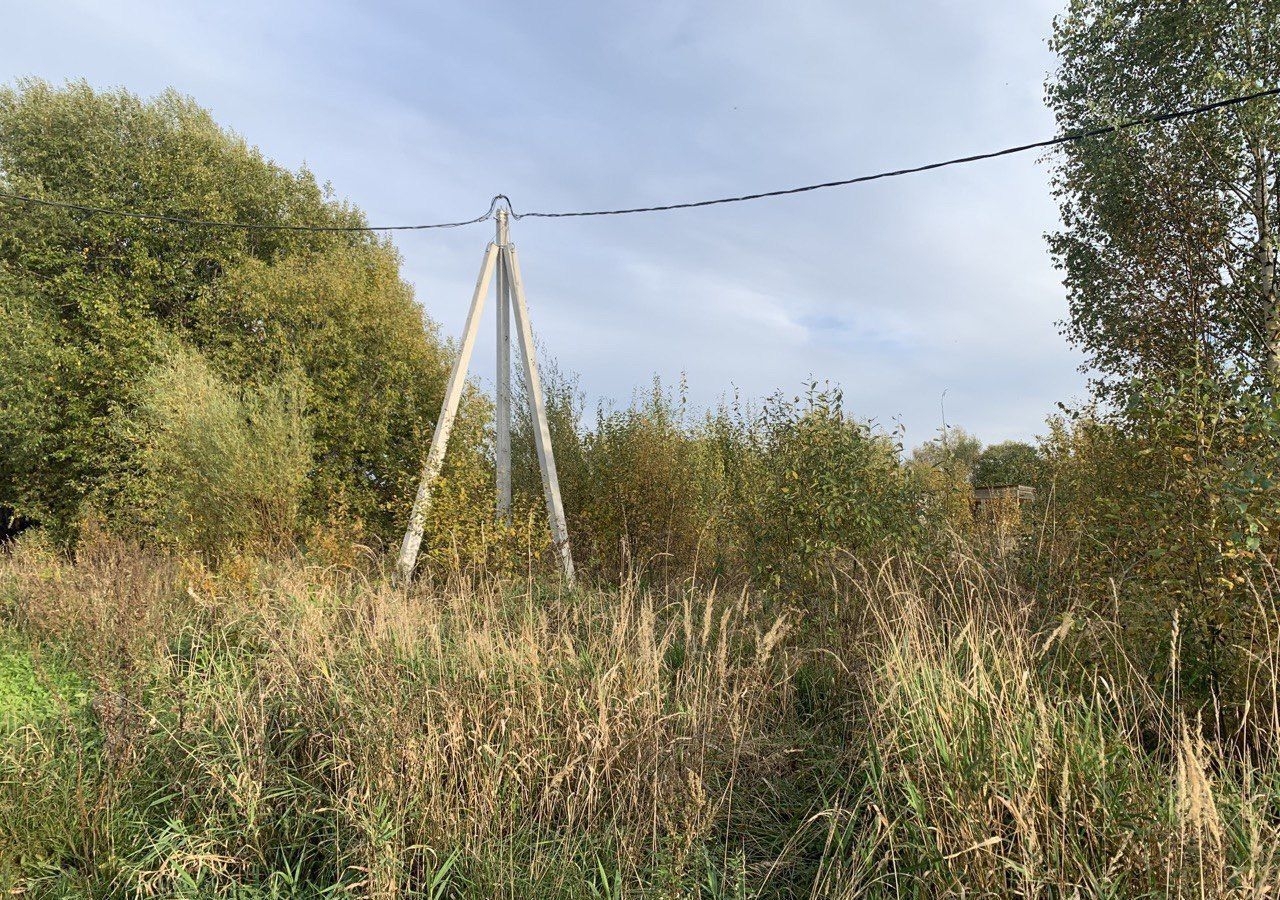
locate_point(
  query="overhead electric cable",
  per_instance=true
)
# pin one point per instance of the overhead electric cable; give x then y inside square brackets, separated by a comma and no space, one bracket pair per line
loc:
[1068,138]
[861,179]
[244,226]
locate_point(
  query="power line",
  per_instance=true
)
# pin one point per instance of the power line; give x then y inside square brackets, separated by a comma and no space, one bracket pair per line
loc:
[243,226]
[861,179]
[1068,138]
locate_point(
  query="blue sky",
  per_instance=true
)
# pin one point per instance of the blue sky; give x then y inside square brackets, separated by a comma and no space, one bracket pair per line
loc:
[900,290]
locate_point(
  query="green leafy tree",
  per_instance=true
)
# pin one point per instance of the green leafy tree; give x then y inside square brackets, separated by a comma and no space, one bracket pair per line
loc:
[1164,494]
[89,302]
[954,451]
[1009,462]
[1169,231]
[346,322]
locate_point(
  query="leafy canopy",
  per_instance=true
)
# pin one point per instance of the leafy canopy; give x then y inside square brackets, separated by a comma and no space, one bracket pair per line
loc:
[89,303]
[1169,231]
[1009,462]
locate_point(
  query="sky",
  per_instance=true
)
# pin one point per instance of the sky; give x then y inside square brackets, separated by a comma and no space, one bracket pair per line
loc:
[922,296]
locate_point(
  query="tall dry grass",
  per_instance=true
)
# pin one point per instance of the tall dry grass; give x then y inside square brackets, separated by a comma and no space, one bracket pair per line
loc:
[999,763]
[284,730]
[300,727]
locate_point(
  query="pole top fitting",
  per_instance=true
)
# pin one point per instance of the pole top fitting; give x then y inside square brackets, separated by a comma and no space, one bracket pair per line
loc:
[502,214]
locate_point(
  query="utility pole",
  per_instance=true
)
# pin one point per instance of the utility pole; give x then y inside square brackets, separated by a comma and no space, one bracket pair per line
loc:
[503,409]
[500,256]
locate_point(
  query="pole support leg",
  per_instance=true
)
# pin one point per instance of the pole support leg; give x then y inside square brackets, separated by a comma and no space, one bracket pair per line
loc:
[409,547]
[538,416]
[502,428]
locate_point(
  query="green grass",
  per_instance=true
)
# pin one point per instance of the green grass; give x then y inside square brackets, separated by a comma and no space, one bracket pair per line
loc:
[34,692]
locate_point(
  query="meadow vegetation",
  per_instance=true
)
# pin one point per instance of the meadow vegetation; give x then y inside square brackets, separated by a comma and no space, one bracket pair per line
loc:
[913,702]
[799,662]
[297,727]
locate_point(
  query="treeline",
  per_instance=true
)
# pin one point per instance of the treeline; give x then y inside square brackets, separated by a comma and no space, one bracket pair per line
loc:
[130,346]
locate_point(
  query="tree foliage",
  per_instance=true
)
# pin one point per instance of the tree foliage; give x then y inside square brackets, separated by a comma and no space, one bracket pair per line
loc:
[1169,231]
[89,303]
[788,496]
[1167,511]
[345,321]
[821,490]
[1009,462]
[1164,492]
[221,469]
[645,484]
[954,450]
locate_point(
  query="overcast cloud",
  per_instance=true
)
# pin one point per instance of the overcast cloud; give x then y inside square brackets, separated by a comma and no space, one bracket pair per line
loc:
[899,290]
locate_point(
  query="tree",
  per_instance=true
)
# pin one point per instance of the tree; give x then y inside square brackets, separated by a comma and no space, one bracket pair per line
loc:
[1169,231]
[89,303]
[345,321]
[954,450]
[1165,491]
[1009,462]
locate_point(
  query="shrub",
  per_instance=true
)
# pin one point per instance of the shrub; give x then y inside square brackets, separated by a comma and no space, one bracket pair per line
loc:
[785,498]
[647,496]
[812,492]
[226,468]
[1166,508]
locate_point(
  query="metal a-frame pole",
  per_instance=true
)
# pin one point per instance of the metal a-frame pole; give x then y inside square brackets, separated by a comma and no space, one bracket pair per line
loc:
[501,255]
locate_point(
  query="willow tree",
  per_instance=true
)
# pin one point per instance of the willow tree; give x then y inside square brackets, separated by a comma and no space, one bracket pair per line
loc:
[1169,231]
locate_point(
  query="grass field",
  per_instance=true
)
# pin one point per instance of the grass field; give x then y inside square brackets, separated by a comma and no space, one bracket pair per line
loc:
[288,730]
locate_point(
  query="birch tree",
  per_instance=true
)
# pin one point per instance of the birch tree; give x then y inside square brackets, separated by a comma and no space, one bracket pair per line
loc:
[1169,242]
